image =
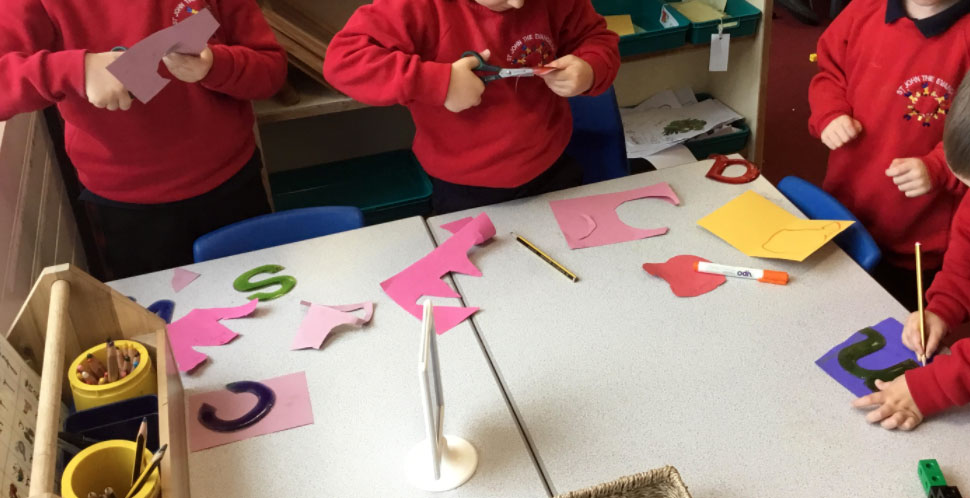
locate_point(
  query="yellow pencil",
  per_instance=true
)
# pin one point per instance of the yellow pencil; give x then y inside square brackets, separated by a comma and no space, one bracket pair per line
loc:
[919,301]
[545,257]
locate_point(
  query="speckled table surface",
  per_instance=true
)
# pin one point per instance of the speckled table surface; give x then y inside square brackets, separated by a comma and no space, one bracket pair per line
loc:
[614,375]
[363,384]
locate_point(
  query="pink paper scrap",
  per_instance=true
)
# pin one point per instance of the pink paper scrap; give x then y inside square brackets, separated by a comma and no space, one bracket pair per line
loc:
[292,409]
[182,278]
[423,278]
[137,68]
[592,221]
[321,320]
[201,327]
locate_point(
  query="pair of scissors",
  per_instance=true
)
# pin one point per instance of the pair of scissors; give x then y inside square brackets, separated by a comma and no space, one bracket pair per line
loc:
[496,73]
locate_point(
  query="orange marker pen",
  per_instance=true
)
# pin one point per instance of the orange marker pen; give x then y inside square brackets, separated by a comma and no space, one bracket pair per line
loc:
[767,276]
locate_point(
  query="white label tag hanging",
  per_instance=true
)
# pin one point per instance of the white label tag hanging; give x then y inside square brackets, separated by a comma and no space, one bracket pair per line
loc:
[667,19]
[720,46]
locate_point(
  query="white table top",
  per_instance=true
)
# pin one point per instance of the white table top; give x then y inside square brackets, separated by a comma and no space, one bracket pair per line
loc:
[614,375]
[363,384]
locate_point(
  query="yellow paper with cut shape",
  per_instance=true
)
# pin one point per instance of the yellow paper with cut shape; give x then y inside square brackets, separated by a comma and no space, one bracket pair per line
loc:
[760,228]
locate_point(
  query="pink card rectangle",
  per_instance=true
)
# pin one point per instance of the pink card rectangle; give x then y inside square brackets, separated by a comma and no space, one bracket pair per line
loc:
[292,409]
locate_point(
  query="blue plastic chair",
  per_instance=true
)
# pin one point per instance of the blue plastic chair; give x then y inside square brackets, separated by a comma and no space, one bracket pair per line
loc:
[819,205]
[597,141]
[270,230]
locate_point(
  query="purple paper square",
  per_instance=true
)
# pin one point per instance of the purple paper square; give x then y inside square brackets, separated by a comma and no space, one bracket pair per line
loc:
[892,353]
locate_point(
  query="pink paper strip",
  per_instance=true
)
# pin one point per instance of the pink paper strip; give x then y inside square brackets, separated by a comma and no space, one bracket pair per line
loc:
[423,278]
[321,320]
[182,278]
[137,69]
[292,409]
[592,221]
[456,225]
[201,327]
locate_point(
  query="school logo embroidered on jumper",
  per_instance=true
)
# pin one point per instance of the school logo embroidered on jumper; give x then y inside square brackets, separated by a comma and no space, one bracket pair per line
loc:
[532,51]
[186,8]
[927,99]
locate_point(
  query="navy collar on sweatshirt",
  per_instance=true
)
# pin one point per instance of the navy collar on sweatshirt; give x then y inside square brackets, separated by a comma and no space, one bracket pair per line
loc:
[931,26]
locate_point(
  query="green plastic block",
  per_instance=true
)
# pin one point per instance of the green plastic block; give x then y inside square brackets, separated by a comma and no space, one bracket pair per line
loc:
[930,474]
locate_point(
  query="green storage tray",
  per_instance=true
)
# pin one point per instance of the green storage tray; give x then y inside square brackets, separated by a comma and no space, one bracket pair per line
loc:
[724,144]
[646,15]
[385,187]
[742,20]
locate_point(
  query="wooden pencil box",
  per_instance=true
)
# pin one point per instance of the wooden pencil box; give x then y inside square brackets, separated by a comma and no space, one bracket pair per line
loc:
[67,312]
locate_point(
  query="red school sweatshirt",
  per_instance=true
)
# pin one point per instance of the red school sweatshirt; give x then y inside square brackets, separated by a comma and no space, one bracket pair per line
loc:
[896,76]
[946,381]
[401,51]
[187,140]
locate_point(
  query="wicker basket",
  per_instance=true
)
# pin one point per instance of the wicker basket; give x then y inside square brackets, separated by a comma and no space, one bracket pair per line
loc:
[657,483]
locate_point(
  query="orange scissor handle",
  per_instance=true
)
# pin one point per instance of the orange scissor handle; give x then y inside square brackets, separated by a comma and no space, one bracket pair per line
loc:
[722,162]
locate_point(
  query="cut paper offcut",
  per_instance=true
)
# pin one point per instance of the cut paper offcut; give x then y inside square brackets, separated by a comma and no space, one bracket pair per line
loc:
[592,221]
[137,68]
[320,320]
[758,227]
[182,278]
[684,280]
[423,278]
[201,327]
[875,352]
[292,409]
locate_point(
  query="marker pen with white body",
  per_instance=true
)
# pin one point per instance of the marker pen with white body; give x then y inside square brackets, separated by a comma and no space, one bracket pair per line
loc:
[767,276]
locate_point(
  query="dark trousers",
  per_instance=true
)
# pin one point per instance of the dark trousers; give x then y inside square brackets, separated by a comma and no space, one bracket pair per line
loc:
[448,197]
[133,239]
[901,282]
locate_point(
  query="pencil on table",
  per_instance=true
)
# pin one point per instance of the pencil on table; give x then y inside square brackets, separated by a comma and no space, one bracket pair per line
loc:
[919,302]
[545,257]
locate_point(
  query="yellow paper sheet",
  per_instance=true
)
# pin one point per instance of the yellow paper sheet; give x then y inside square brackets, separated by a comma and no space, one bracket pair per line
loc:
[698,11]
[621,25]
[757,227]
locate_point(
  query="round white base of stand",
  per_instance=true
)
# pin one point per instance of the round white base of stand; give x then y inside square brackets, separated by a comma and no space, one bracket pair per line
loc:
[458,463]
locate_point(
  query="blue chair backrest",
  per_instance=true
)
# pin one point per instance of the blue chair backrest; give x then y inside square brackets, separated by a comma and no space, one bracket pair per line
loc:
[817,204]
[597,142]
[276,229]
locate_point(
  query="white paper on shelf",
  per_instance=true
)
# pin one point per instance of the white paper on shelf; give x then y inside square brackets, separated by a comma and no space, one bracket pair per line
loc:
[650,131]
[673,156]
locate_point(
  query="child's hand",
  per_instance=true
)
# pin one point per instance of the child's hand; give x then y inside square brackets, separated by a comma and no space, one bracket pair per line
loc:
[936,330]
[465,88]
[841,131]
[911,176]
[189,68]
[102,89]
[575,76]
[895,408]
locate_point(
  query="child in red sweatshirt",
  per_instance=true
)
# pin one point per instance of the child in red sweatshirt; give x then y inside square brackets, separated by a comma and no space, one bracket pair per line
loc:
[945,382]
[887,74]
[480,144]
[155,175]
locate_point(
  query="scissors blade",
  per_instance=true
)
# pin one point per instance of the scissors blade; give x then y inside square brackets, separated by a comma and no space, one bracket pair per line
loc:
[517,73]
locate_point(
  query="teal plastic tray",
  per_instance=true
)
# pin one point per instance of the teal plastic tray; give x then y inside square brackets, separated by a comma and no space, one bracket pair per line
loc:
[385,187]
[654,37]
[724,144]
[742,20]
